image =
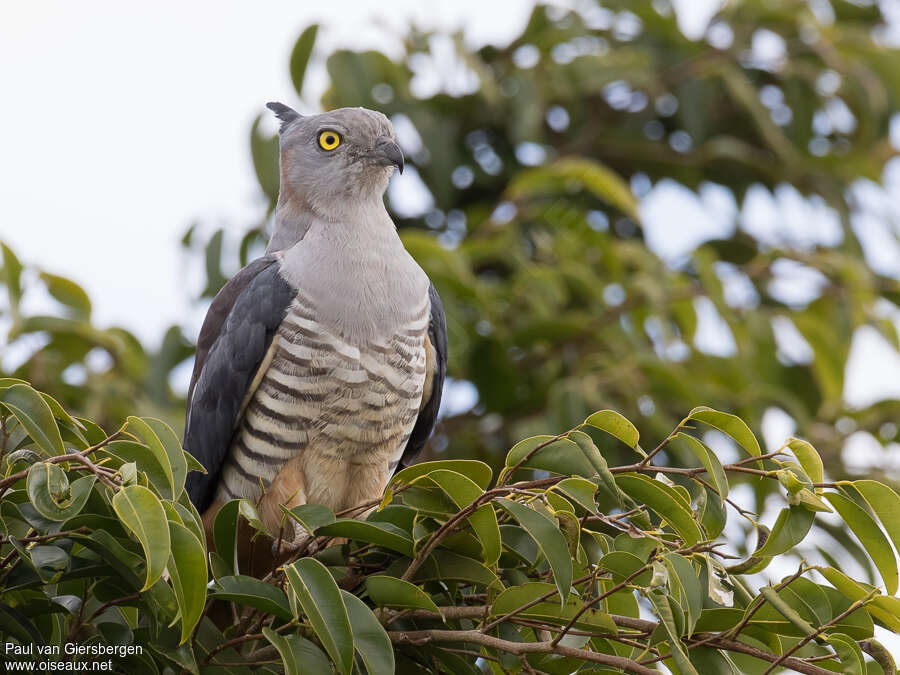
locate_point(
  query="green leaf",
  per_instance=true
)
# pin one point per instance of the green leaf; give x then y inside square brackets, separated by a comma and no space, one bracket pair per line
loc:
[52,496]
[187,571]
[15,624]
[518,542]
[615,425]
[887,613]
[443,565]
[192,519]
[146,461]
[713,515]
[598,461]
[463,491]
[712,661]
[388,591]
[667,619]
[852,660]
[728,424]
[870,536]
[299,655]
[192,463]
[225,533]
[790,529]
[324,607]
[885,503]
[809,500]
[683,570]
[549,610]
[782,602]
[812,598]
[478,472]
[264,151]
[12,272]
[809,459]
[218,567]
[369,637]
[881,655]
[35,416]
[381,534]
[710,462]
[166,448]
[718,619]
[142,513]
[622,564]
[68,293]
[300,56]
[720,586]
[49,561]
[580,491]
[786,613]
[588,174]
[550,540]
[252,592]
[560,456]
[69,422]
[247,511]
[311,516]
[665,501]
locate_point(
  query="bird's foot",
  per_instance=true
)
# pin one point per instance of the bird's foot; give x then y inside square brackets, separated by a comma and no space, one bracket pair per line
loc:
[303,543]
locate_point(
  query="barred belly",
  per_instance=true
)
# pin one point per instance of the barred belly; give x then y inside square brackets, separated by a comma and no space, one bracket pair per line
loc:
[340,414]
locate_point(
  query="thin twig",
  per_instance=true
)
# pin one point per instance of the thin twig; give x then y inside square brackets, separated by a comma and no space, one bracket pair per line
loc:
[422,637]
[45,537]
[507,473]
[111,603]
[646,461]
[80,456]
[816,633]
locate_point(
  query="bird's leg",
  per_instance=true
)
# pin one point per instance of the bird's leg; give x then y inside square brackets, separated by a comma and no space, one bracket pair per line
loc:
[287,489]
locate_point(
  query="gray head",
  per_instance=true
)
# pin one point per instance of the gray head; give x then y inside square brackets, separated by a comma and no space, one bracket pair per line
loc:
[334,163]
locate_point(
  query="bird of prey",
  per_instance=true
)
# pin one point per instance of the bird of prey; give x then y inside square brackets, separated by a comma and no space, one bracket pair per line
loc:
[320,365]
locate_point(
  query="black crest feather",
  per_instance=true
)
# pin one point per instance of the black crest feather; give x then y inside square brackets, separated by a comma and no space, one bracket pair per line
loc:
[285,113]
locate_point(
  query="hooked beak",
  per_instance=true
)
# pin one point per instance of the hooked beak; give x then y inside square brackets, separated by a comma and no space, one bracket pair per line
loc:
[388,153]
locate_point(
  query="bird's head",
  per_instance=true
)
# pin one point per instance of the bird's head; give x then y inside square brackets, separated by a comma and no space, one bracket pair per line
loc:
[335,161]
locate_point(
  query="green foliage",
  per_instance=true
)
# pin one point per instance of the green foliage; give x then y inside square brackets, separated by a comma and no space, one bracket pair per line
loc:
[557,306]
[528,572]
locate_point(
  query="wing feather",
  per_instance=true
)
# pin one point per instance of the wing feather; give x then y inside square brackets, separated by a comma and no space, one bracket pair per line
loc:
[437,336]
[233,344]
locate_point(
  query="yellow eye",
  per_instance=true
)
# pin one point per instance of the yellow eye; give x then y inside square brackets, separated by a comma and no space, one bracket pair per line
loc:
[329,140]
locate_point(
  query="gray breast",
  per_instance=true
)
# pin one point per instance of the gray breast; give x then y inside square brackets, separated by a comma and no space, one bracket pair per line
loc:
[342,405]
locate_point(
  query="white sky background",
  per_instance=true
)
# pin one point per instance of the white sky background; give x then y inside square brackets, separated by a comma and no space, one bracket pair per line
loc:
[123,123]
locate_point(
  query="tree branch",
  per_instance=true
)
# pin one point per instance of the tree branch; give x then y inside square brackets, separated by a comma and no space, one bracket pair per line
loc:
[421,637]
[818,631]
[80,456]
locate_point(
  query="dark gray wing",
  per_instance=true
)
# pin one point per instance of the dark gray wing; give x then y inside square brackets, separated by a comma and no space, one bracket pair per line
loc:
[437,333]
[235,337]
